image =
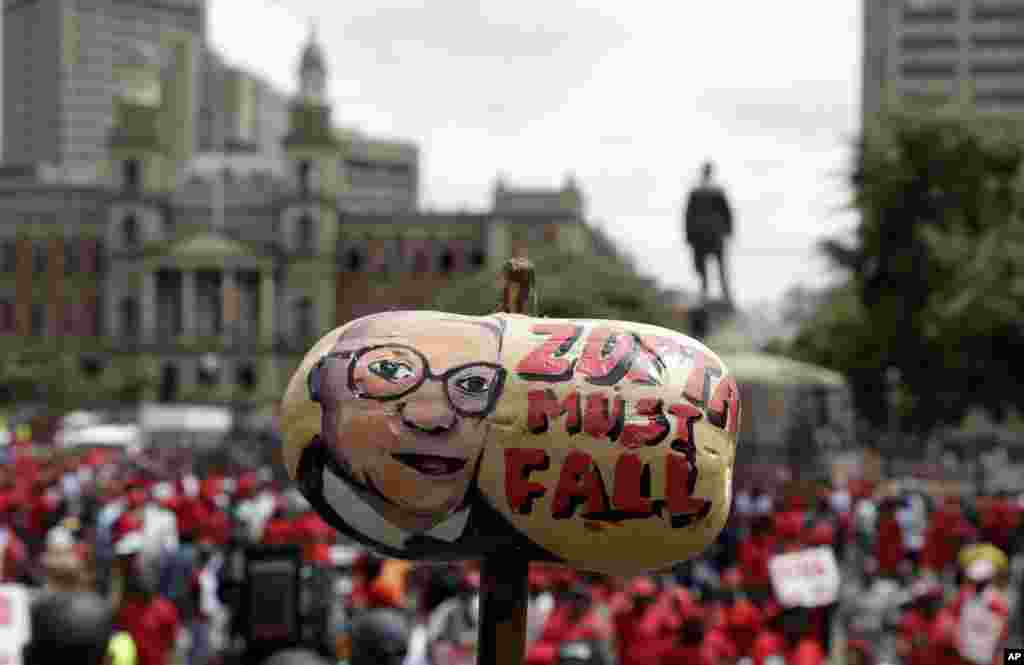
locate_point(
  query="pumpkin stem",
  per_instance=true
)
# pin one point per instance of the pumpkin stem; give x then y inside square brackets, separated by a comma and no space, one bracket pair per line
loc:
[519,281]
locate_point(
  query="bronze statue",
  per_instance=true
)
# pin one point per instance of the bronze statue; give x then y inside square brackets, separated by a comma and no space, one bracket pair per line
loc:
[708,221]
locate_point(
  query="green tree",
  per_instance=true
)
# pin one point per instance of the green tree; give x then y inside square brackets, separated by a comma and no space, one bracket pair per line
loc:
[571,286]
[936,285]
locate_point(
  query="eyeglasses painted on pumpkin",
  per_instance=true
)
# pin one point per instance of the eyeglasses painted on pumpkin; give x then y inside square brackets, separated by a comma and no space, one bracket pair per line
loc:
[389,372]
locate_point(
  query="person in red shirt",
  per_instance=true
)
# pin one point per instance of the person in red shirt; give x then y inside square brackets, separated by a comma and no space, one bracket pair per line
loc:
[913,645]
[754,553]
[642,625]
[691,646]
[743,624]
[787,638]
[150,619]
[314,534]
[574,618]
[280,529]
[947,531]
[889,548]
[14,559]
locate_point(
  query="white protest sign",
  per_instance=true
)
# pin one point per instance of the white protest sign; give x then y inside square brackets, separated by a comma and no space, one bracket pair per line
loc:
[14,622]
[980,631]
[808,578]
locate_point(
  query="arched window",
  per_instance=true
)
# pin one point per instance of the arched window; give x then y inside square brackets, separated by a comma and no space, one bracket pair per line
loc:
[305,177]
[246,377]
[169,384]
[132,173]
[304,234]
[447,262]
[130,231]
[129,312]
[354,260]
[420,263]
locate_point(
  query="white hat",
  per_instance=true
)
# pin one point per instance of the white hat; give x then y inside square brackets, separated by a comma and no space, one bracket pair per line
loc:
[981,570]
[59,538]
[131,543]
[163,491]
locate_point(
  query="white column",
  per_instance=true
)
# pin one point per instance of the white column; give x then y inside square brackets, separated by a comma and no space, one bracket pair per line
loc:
[228,305]
[188,304]
[266,308]
[147,307]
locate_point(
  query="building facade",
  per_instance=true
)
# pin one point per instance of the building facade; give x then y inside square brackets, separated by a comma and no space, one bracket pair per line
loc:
[207,279]
[935,51]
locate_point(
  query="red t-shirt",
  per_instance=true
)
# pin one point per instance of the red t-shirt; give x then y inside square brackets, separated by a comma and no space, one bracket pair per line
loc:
[153,625]
[279,531]
[754,554]
[914,633]
[701,654]
[889,550]
[771,645]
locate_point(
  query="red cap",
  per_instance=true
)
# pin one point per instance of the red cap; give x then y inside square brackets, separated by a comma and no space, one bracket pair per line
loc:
[863,647]
[136,498]
[125,524]
[247,483]
[821,534]
[643,586]
[744,615]
[732,578]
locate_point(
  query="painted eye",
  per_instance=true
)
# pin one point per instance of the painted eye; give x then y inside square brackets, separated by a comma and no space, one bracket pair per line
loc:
[391,370]
[473,385]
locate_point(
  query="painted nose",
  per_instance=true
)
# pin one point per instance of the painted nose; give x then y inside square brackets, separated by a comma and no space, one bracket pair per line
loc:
[429,417]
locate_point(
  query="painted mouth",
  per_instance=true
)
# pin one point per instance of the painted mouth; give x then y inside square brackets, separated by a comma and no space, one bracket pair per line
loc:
[431,465]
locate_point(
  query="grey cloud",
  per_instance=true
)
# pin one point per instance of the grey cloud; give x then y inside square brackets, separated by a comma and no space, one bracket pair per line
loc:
[818,112]
[476,65]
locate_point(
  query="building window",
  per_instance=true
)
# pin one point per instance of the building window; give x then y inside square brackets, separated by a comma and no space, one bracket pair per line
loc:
[72,257]
[8,256]
[304,318]
[304,233]
[447,262]
[420,263]
[38,322]
[129,312]
[209,370]
[39,259]
[246,377]
[91,366]
[7,323]
[305,177]
[132,174]
[169,384]
[130,231]
[477,258]
[354,260]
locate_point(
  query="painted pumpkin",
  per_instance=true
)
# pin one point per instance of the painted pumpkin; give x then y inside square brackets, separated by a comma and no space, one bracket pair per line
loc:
[604,445]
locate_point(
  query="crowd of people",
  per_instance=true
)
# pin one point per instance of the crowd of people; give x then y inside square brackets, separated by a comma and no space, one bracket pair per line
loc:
[925,579]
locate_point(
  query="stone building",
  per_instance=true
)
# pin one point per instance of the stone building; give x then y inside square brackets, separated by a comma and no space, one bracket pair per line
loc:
[205,280]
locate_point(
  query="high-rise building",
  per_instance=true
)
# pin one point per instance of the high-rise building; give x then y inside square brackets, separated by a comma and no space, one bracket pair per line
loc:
[60,74]
[943,50]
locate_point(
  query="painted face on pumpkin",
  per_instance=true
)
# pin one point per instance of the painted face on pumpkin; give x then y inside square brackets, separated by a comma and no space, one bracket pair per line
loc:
[406,414]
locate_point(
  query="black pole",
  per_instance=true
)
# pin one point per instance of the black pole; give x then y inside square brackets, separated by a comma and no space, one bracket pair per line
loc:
[504,576]
[503,603]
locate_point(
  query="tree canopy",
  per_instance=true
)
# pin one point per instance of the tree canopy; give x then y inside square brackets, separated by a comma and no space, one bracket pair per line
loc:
[571,286]
[936,274]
